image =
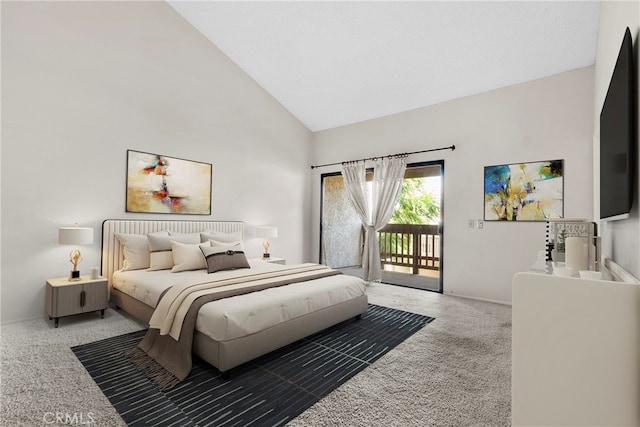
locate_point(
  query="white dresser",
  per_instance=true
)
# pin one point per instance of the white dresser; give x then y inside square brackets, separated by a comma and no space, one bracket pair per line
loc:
[575,352]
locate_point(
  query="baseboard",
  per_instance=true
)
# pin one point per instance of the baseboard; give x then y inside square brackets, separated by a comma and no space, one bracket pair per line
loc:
[22,319]
[478,299]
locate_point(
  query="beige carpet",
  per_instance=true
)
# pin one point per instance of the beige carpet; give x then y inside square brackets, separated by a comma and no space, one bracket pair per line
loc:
[456,372]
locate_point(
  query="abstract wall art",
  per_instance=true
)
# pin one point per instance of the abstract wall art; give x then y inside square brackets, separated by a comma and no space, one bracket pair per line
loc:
[162,184]
[532,191]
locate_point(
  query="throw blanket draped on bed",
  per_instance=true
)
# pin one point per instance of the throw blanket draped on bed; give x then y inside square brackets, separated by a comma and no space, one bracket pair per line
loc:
[164,354]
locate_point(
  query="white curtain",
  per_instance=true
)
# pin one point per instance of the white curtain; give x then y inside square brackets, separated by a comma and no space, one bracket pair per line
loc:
[374,205]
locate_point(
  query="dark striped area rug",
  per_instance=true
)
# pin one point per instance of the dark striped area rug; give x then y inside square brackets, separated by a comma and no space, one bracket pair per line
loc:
[269,391]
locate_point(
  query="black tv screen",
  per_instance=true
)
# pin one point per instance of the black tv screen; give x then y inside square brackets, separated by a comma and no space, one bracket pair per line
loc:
[617,140]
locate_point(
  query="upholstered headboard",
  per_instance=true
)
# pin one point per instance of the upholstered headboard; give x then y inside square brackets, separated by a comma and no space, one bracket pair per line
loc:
[112,256]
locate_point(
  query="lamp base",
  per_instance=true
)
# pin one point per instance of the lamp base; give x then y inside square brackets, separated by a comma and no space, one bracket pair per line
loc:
[75,275]
[265,256]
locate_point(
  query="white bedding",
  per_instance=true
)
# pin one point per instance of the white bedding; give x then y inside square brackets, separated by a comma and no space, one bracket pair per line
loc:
[243,315]
[147,286]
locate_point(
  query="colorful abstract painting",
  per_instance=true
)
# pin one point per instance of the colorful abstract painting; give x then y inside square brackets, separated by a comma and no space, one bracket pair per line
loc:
[531,191]
[161,184]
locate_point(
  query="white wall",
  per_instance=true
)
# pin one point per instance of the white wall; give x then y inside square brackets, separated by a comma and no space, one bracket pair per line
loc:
[546,119]
[621,239]
[83,82]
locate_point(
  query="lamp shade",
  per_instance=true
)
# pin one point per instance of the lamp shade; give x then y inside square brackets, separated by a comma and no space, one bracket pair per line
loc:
[266,232]
[75,236]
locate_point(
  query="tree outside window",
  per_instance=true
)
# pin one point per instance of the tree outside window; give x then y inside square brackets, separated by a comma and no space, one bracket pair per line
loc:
[416,205]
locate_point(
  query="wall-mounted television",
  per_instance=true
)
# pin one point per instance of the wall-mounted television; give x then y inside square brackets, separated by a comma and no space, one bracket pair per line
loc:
[617,137]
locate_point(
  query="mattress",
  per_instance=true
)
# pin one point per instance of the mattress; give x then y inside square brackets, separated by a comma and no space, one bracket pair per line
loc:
[243,315]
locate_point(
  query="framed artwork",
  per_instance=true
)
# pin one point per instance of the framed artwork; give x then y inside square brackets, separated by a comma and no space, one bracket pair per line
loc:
[532,191]
[162,184]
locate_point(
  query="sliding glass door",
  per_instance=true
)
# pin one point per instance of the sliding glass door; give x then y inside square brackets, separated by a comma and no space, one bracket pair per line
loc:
[410,245]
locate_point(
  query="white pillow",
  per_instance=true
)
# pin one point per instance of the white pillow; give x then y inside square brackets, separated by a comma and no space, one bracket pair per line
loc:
[220,236]
[216,243]
[162,260]
[188,257]
[189,236]
[135,248]
[160,255]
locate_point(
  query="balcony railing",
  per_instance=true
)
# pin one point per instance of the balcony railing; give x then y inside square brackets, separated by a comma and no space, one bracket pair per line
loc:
[414,246]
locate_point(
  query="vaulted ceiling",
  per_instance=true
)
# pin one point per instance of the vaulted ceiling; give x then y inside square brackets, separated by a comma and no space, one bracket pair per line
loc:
[336,63]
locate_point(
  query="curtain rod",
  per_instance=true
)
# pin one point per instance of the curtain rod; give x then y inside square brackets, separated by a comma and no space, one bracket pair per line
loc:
[453,147]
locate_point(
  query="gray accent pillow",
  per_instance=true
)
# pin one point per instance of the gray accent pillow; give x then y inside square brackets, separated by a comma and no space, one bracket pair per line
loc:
[220,258]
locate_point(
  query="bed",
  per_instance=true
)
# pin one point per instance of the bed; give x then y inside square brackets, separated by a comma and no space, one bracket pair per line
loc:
[233,330]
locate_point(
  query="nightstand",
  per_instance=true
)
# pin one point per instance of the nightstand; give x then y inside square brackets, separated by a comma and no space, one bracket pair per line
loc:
[66,298]
[272,260]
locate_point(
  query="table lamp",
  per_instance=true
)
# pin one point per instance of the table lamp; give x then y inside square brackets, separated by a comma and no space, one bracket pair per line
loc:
[267,233]
[75,236]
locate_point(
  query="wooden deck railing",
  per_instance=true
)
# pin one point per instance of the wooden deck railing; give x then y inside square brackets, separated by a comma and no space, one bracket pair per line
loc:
[415,246]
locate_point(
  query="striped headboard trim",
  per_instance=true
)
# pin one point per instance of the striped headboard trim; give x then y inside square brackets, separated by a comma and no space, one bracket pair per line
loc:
[112,256]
